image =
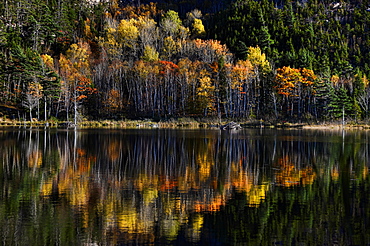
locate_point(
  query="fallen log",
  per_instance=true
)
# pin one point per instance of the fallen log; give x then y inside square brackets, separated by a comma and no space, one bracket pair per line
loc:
[231,126]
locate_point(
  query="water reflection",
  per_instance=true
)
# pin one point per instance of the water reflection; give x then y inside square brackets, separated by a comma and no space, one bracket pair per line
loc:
[168,186]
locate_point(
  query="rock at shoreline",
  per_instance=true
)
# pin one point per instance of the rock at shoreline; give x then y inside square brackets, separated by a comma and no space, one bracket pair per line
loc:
[231,126]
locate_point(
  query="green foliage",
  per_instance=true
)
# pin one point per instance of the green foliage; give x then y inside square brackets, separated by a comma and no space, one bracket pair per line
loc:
[340,103]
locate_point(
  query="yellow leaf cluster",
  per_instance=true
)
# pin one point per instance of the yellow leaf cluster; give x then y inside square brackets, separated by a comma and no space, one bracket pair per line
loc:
[198,28]
[257,194]
[150,54]
[127,33]
[258,59]
[48,61]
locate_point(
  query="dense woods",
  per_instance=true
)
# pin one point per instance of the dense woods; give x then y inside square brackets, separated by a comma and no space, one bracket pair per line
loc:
[270,60]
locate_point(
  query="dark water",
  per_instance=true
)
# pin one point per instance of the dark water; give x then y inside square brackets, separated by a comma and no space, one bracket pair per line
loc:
[181,187]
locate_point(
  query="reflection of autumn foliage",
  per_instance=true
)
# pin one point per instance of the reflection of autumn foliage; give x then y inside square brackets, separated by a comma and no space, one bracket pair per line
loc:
[257,194]
[35,159]
[289,175]
[131,204]
[210,206]
[113,150]
[73,182]
[242,180]
[335,173]
[135,193]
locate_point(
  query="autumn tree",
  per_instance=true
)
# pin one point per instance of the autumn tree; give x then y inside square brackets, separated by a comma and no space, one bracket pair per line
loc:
[260,86]
[113,102]
[76,74]
[296,87]
[32,97]
[205,93]
[171,23]
[239,101]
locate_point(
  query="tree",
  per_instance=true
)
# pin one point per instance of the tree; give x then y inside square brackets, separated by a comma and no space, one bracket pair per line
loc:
[171,23]
[261,84]
[340,104]
[296,87]
[150,54]
[75,71]
[364,98]
[205,92]
[32,97]
[127,33]
[50,83]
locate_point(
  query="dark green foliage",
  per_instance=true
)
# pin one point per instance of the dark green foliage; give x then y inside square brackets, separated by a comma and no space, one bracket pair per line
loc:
[340,103]
[302,33]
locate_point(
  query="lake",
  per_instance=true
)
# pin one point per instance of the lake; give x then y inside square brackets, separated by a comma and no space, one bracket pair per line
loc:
[166,187]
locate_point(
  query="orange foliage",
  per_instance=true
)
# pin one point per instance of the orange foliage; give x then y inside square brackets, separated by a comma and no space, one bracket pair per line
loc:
[144,10]
[289,175]
[214,45]
[214,205]
[113,101]
[290,81]
[167,184]
[167,66]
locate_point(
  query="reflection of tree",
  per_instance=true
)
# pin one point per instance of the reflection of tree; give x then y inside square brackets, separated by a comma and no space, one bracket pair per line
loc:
[117,188]
[289,174]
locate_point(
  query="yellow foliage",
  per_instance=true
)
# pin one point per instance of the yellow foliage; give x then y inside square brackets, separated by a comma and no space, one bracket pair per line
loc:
[48,61]
[149,195]
[127,33]
[87,28]
[46,188]
[258,59]
[257,194]
[79,192]
[79,54]
[365,81]
[128,221]
[204,167]
[169,46]
[334,79]
[197,223]
[150,54]
[198,28]
[110,43]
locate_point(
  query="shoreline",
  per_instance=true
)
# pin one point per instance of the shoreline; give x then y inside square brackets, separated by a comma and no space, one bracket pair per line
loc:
[186,123]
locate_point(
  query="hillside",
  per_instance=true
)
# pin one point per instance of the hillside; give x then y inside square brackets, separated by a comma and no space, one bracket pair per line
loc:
[271,60]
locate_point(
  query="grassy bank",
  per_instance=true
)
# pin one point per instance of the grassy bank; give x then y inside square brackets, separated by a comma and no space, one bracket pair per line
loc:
[175,123]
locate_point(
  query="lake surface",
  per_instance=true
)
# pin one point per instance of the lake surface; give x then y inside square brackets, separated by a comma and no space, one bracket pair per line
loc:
[165,187]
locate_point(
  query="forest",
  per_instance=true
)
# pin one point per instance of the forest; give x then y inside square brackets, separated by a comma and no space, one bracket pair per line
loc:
[297,61]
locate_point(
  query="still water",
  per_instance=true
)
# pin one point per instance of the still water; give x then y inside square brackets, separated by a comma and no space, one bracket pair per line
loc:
[181,187]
